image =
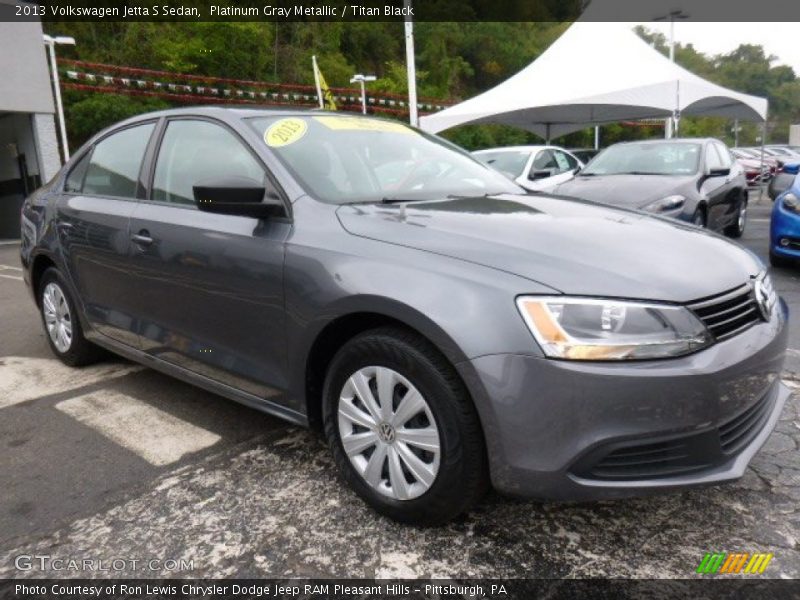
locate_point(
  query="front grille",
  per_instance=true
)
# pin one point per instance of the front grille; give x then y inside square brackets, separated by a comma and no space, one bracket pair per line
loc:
[740,431]
[729,313]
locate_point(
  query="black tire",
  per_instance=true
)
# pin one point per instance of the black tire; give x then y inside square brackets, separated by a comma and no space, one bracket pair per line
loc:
[736,229]
[780,262]
[462,478]
[80,351]
[699,218]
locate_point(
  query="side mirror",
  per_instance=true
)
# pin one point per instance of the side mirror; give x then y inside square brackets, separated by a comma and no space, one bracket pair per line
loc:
[534,175]
[239,196]
[723,172]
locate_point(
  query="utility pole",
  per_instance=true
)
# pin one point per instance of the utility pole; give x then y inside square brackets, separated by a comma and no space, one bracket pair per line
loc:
[51,42]
[672,16]
[411,66]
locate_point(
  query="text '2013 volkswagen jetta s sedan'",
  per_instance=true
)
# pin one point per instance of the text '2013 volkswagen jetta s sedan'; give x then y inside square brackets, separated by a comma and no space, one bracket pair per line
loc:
[444,329]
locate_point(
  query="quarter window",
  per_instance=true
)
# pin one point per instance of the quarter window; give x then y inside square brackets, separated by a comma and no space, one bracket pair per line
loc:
[193,151]
[115,162]
[75,177]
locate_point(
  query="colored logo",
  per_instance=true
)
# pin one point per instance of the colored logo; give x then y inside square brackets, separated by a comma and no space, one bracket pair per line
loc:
[715,563]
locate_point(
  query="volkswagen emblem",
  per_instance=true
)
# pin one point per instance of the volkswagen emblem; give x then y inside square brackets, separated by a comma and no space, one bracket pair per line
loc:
[386,432]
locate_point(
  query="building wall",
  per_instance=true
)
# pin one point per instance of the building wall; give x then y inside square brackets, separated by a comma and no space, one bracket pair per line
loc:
[24,75]
[48,155]
[794,135]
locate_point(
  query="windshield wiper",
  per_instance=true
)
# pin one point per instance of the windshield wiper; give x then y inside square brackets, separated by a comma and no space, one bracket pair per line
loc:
[642,173]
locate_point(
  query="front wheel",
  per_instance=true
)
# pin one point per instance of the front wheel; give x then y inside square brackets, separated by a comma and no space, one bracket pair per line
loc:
[402,428]
[736,229]
[61,323]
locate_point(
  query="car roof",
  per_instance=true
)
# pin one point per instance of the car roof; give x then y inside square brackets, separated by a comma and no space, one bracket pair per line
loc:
[674,141]
[514,149]
[233,113]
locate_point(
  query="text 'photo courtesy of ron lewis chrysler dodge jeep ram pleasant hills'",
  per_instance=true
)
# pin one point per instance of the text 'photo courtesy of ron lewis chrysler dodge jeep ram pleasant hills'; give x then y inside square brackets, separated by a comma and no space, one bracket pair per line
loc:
[444,329]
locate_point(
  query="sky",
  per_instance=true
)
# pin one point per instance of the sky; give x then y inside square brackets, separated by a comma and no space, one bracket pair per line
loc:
[779,39]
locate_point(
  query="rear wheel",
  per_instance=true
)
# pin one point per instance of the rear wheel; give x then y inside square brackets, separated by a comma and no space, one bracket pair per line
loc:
[402,428]
[736,229]
[61,323]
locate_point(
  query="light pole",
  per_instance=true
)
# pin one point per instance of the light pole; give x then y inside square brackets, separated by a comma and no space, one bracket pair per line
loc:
[672,16]
[51,42]
[363,79]
[411,65]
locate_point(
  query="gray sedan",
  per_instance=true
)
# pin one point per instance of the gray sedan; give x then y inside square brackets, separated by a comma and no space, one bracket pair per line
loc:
[443,329]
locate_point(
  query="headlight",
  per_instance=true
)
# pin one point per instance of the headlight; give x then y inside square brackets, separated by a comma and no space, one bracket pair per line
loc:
[791,202]
[666,204]
[588,329]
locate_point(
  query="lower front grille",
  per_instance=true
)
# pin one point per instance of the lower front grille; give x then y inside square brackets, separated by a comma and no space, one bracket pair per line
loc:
[646,461]
[729,313]
[659,457]
[740,431]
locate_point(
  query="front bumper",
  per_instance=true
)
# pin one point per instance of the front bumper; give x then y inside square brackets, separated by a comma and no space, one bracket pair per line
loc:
[550,424]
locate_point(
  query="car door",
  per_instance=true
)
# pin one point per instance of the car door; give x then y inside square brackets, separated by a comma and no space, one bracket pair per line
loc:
[210,286]
[715,187]
[735,184]
[93,219]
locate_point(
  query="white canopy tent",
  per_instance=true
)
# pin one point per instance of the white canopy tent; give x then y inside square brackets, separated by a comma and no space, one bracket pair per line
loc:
[597,73]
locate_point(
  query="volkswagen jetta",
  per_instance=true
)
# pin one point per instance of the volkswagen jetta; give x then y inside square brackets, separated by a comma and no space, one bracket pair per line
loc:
[443,328]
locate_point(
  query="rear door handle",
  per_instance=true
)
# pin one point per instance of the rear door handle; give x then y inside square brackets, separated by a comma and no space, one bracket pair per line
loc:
[142,238]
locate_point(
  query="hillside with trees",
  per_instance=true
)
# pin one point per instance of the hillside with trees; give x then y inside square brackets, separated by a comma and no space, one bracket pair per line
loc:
[454,61]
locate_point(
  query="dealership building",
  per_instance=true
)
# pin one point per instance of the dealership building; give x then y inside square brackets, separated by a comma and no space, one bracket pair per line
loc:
[29,154]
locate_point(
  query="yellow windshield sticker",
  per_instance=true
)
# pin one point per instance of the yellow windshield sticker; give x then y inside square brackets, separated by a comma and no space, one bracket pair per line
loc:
[285,132]
[359,124]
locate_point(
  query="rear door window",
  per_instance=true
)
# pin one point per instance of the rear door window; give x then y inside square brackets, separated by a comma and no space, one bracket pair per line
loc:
[114,166]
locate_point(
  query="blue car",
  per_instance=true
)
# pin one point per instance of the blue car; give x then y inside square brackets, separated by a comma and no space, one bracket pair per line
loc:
[784,229]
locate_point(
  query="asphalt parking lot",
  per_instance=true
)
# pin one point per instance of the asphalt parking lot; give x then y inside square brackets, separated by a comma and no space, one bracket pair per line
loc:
[118,462]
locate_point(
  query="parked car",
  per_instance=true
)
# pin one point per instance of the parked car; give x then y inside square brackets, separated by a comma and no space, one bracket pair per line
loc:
[442,327]
[784,227]
[783,150]
[535,168]
[693,180]
[783,180]
[584,154]
[757,169]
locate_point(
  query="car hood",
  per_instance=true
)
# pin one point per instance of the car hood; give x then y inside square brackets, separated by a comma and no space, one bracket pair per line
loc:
[568,245]
[633,191]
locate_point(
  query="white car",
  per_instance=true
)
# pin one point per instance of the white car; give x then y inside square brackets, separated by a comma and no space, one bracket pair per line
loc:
[536,168]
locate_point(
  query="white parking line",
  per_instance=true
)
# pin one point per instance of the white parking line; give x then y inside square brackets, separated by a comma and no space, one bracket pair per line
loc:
[6,267]
[24,378]
[10,277]
[158,437]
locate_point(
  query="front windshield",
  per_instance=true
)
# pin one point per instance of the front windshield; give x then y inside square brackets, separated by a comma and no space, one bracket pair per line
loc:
[510,163]
[670,158]
[347,159]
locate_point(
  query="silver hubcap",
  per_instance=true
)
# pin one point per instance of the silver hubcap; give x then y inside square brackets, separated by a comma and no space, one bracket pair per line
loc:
[742,216]
[56,317]
[389,433]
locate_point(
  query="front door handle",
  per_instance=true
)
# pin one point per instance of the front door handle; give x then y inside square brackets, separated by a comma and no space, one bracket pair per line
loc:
[142,238]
